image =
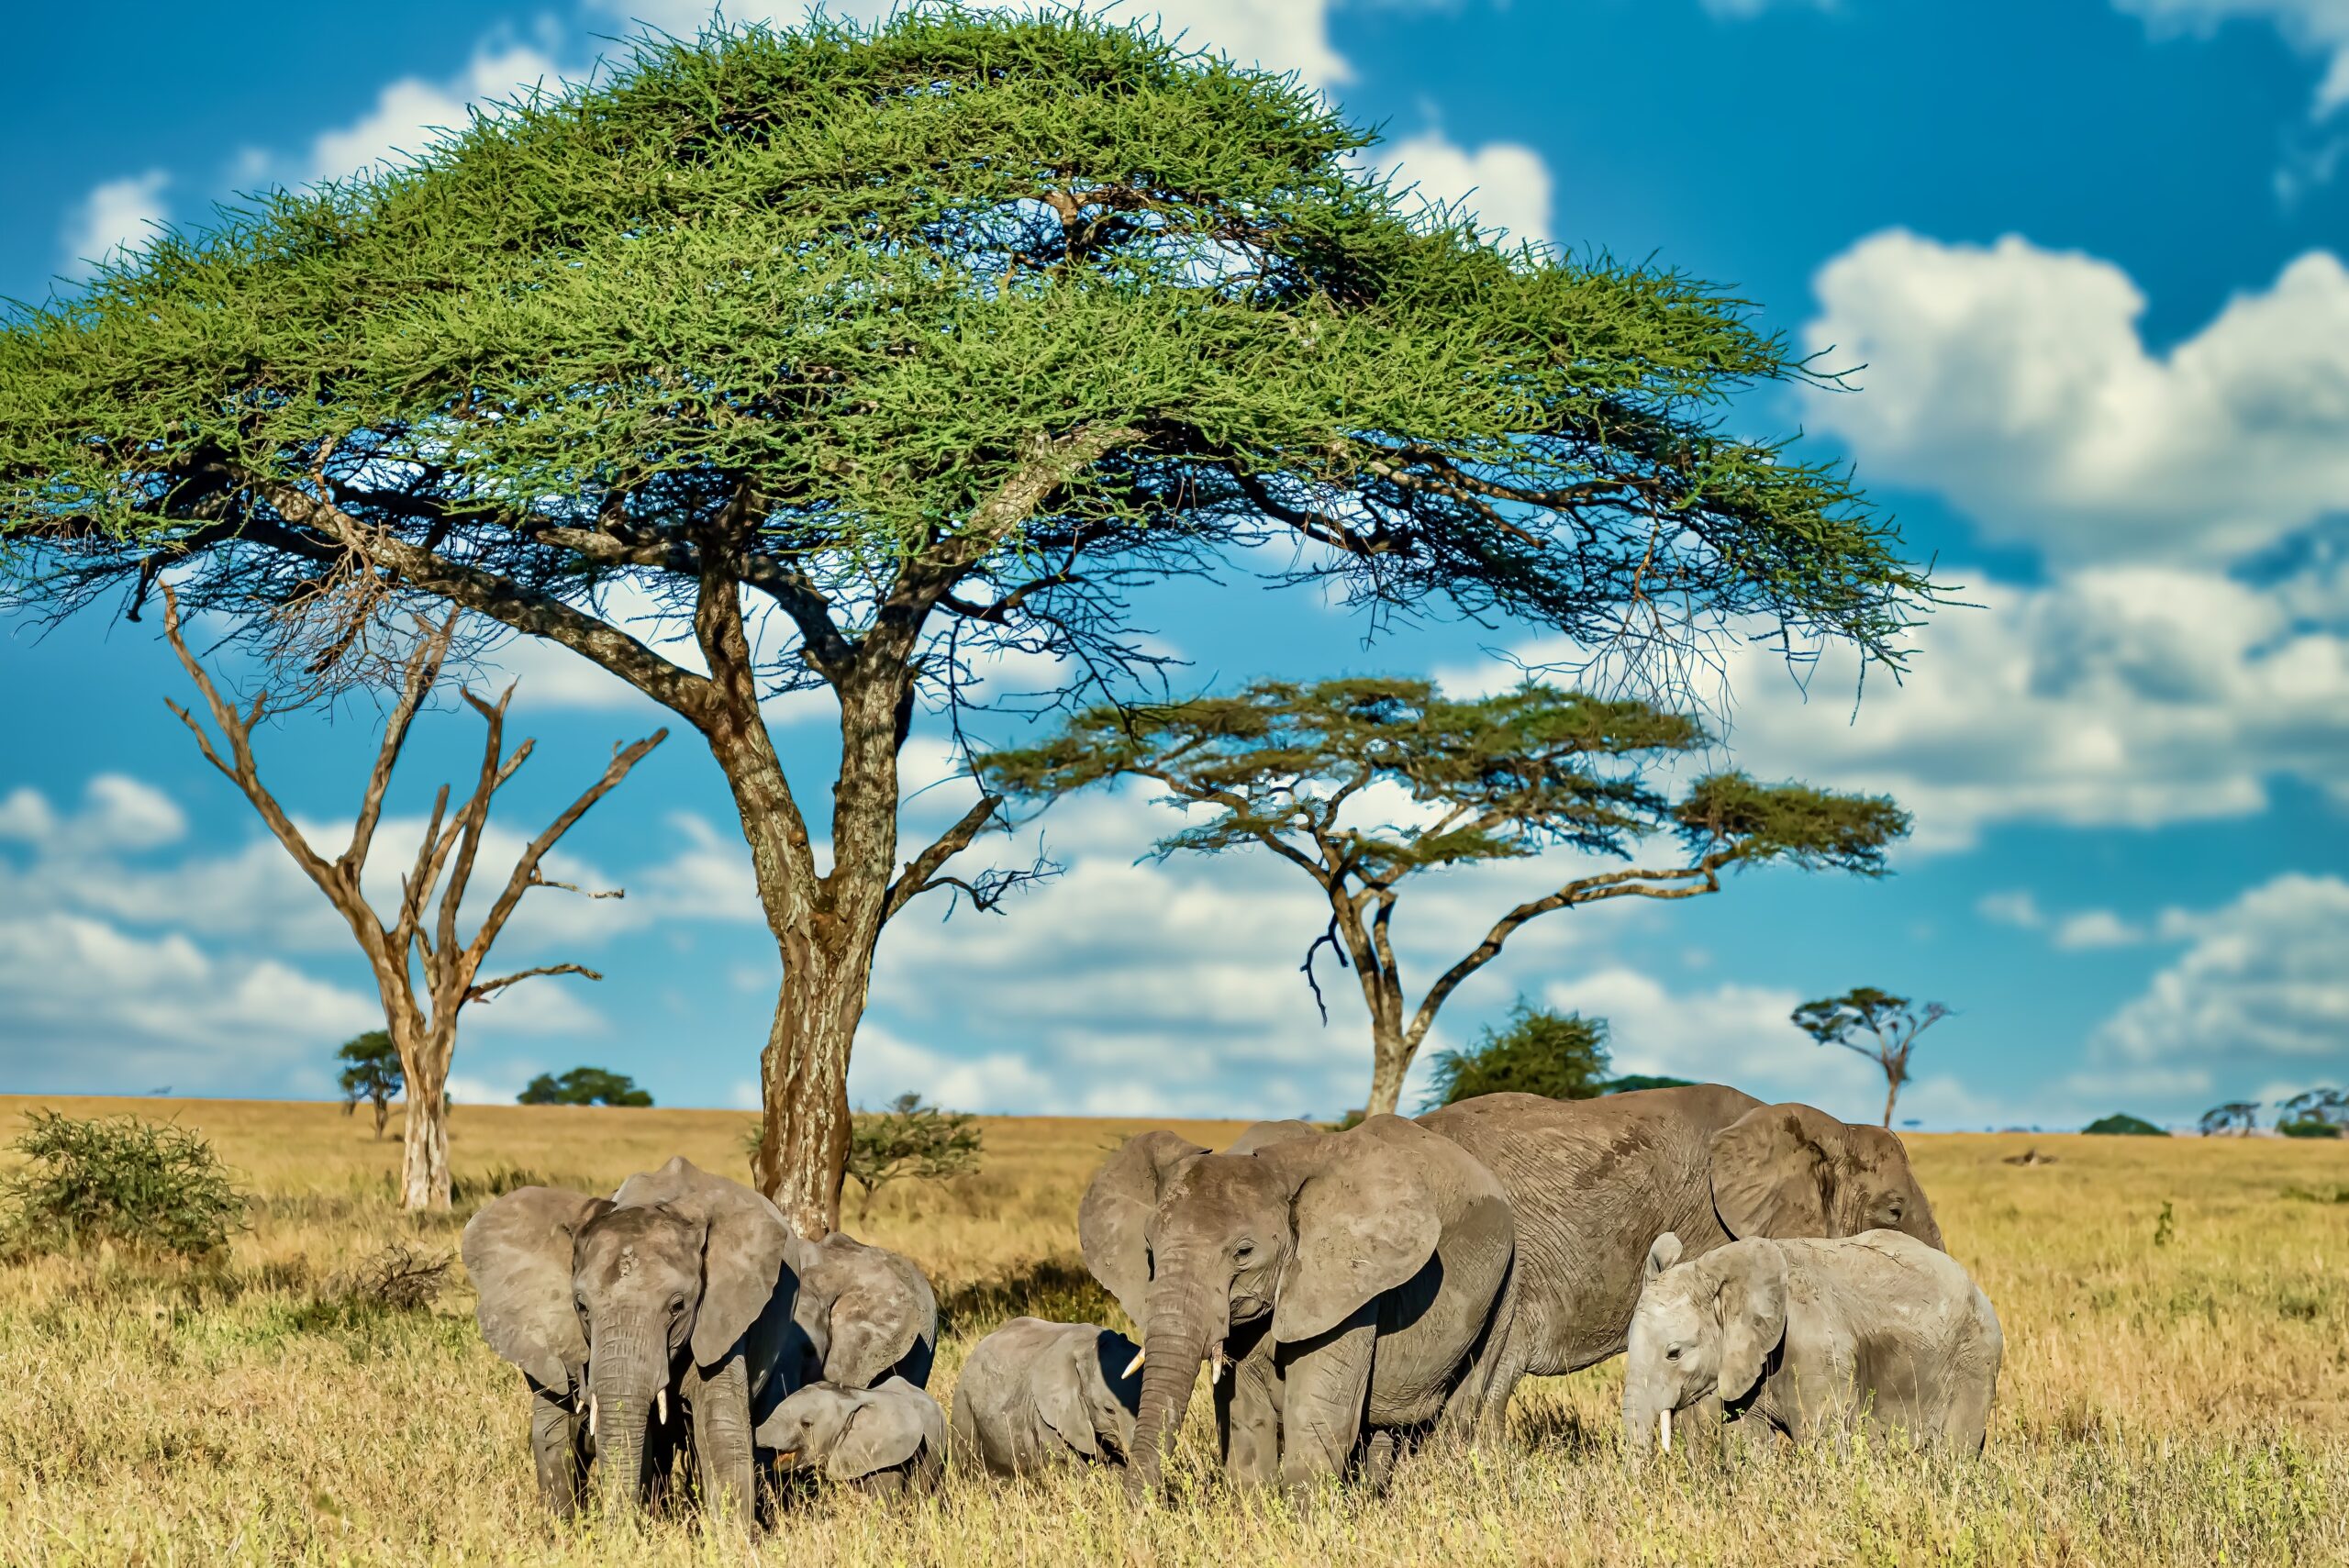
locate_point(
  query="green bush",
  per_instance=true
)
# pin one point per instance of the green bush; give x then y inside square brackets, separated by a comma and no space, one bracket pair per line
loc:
[908,1139]
[584,1087]
[2120,1124]
[2308,1129]
[1631,1080]
[147,1185]
[1562,1055]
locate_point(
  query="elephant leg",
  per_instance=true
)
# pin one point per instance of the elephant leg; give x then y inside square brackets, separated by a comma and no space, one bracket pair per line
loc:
[724,1454]
[1247,1418]
[1378,1461]
[554,1451]
[1325,1387]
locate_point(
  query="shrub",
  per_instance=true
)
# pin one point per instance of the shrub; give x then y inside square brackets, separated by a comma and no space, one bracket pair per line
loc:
[2308,1129]
[1631,1081]
[2122,1125]
[584,1087]
[908,1139]
[1562,1055]
[148,1186]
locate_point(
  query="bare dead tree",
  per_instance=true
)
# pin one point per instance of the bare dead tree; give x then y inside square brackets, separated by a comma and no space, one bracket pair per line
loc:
[421,942]
[1892,1025]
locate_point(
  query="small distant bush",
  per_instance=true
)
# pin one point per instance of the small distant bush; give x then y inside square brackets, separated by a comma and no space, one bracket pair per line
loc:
[909,1140]
[2123,1125]
[584,1087]
[2308,1129]
[151,1186]
[1631,1081]
[1539,1051]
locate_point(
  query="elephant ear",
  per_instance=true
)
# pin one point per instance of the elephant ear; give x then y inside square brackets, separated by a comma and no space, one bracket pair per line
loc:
[1772,1168]
[744,1256]
[885,1430]
[1880,1150]
[1664,1253]
[1365,1222]
[1057,1386]
[517,1251]
[882,1308]
[1752,1304]
[1264,1134]
[1116,1210]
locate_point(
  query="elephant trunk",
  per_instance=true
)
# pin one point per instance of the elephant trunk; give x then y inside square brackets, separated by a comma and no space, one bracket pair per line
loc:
[1183,1318]
[628,1373]
[1647,1422]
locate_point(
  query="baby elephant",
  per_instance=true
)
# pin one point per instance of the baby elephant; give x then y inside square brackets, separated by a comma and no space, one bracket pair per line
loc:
[884,1440]
[1814,1337]
[1035,1393]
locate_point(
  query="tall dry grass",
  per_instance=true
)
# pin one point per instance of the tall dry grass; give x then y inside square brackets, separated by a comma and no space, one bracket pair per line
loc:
[2174,1391]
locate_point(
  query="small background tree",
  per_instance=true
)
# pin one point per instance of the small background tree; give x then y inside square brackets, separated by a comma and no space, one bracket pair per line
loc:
[2236,1117]
[1875,1024]
[151,1186]
[422,1022]
[1287,767]
[584,1087]
[1538,1052]
[2315,1113]
[373,1074]
[910,1141]
[2123,1125]
[1631,1081]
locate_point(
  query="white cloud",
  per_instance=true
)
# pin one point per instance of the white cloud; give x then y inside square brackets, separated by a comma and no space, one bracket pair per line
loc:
[1505,184]
[1745,10]
[2097,929]
[2313,26]
[2262,985]
[1280,35]
[2014,381]
[116,214]
[410,114]
[2019,908]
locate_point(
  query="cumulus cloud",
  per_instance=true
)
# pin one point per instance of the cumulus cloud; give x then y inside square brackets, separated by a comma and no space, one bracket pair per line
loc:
[410,114]
[1505,184]
[2015,381]
[2318,27]
[118,214]
[2259,987]
[2018,907]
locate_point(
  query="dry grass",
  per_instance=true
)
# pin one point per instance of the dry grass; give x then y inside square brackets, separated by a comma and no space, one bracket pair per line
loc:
[2179,1402]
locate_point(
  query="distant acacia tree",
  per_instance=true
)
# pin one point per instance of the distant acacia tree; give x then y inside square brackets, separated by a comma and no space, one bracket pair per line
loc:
[1631,1081]
[1875,1024]
[2314,1113]
[2238,1116]
[1287,767]
[373,1074]
[1539,1051]
[909,1139]
[910,346]
[417,938]
[584,1087]
[2120,1124]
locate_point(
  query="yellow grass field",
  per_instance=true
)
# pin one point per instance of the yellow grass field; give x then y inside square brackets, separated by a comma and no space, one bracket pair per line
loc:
[2175,1392]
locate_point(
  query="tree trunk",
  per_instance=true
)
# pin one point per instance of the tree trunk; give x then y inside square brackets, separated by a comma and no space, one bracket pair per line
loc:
[803,1092]
[1390,1060]
[424,1143]
[383,1115]
[1891,1092]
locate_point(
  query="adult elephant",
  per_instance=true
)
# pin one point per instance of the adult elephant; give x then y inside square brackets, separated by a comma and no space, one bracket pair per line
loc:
[677,1288]
[1351,1277]
[1594,1182]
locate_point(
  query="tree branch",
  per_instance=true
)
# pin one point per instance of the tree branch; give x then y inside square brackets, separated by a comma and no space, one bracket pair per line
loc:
[481,992]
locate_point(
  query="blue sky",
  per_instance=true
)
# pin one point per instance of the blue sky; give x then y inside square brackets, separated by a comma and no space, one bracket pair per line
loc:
[2090,251]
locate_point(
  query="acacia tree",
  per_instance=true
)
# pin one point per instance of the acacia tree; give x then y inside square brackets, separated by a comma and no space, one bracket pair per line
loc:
[419,939]
[2236,1117]
[861,357]
[1287,767]
[1875,1024]
[373,1074]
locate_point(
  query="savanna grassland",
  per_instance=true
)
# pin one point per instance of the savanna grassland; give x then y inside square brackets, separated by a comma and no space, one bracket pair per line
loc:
[2177,1383]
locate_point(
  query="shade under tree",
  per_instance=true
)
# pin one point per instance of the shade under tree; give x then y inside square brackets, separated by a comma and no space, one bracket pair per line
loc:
[864,358]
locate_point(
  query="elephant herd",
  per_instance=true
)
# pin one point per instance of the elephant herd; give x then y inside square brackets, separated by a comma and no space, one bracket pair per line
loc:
[1350,1294]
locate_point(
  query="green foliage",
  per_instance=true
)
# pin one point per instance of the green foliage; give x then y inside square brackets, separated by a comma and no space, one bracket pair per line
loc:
[2122,1125]
[2235,1116]
[2322,1107]
[2308,1129]
[373,1073]
[146,1185]
[1631,1080]
[836,287]
[1539,1051]
[584,1087]
[909,1139]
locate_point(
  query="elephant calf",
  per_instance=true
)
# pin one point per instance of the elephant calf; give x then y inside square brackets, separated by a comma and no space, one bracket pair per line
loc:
[1034,1394]
[1815,1337]
[884,1440]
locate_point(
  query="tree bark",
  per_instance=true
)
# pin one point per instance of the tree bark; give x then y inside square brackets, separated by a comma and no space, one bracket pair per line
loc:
[1390,1060]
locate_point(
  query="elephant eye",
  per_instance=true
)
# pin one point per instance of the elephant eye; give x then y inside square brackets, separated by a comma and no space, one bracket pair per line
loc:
[677,1306]
[1673,1354]
[1245,1250]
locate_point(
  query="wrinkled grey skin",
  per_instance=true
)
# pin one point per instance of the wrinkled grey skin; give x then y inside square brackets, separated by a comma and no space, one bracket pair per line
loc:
[1592,1182]
[885,1439]
[673,1291]
[1035,1393]
[1351,1278]
[864,1314]
[1814,1339]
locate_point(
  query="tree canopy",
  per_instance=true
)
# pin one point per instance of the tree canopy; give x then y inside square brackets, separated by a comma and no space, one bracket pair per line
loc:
[864,355]
[1539,1051]
[1875,1024]
[2120,1124]
[1297,768]
[372,1073]
[584,1087]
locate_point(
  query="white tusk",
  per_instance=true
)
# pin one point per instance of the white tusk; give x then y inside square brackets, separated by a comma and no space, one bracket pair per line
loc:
[1216,1365]
[1664,1431]
[590,1414]
[1134,1365]
[661,1403]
